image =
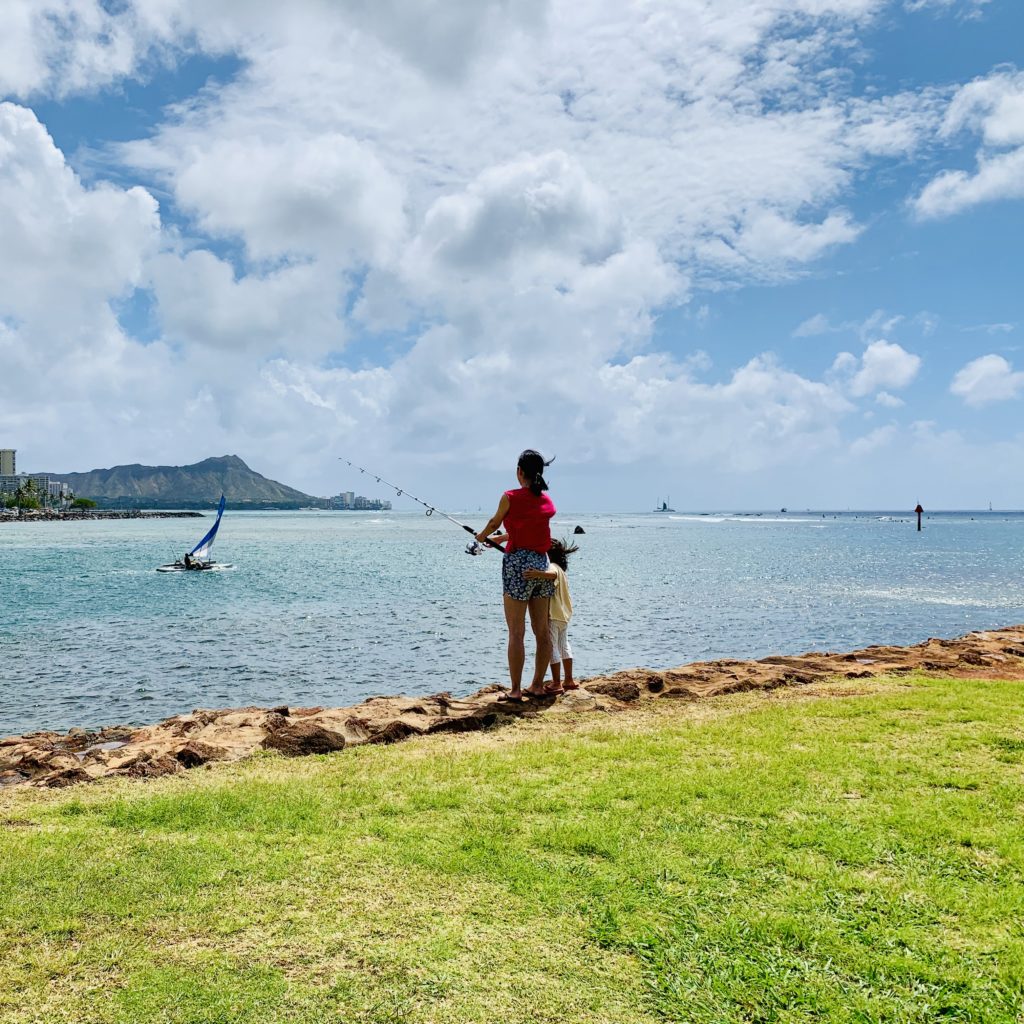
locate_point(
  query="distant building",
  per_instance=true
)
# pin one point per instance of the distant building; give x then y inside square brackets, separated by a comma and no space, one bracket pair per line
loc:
[45,488]
[8,461]
[350,501]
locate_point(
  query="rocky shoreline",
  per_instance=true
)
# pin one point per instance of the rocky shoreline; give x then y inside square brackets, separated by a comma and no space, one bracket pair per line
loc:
[50,515]
[177,744]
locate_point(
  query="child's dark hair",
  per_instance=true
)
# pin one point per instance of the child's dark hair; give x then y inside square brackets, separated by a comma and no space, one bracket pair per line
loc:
[533,465]
[560,552]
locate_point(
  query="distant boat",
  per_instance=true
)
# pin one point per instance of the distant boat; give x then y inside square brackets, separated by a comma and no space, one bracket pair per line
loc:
[198,559]
[663,507]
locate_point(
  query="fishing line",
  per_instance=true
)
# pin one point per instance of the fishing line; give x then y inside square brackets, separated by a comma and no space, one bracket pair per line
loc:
[471,549]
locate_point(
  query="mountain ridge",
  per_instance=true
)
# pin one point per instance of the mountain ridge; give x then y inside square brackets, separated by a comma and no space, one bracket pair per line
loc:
[198,485]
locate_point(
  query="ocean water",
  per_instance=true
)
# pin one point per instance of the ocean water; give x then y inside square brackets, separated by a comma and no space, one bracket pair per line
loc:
[333,607]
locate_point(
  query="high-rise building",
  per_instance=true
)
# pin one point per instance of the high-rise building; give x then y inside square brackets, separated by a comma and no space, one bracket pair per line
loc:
[8,465]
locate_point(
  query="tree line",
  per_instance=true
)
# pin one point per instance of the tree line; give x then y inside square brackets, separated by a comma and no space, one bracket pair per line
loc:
[29,496]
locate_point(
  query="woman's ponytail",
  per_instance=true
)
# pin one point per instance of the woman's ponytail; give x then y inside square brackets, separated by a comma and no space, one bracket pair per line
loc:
[533,464]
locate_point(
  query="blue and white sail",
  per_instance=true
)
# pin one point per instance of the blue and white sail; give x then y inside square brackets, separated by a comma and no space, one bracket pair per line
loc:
[203,548]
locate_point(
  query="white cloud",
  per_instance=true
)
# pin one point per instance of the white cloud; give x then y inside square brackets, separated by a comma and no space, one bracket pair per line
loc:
[987,379]
[998,328]
[201,301]
[718,179]
[326,196]
[994,107]
[66,46]
[446,222]
[872,442]
[767,240]
[997,177]
[964,8]
[814,325]
[889,401]
[65,246]
[884,366]
[879,323]
[514,211]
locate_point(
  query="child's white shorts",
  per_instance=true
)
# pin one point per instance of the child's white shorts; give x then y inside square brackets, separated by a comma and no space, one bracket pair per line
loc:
[560,649]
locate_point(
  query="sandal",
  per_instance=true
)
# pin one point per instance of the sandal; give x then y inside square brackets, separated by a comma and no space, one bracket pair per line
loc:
[508,698]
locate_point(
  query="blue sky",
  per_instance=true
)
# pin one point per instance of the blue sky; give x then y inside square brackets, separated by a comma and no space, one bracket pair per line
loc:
[767,249]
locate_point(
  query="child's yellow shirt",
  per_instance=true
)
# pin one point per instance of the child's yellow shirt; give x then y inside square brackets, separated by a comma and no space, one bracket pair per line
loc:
[560,609]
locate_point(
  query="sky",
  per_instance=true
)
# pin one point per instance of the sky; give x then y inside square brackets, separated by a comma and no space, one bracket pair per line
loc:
[737,253]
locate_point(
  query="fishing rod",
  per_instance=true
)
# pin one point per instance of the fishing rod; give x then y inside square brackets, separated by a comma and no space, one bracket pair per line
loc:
[471,549]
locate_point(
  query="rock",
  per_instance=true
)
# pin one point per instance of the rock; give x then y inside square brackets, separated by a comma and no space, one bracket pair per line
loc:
[66,777]
[467,723]
[615,688]
[970,658]
[153,767]
[195,753]
[579,530]
[391,732]
[577,700]
[41,760]
[304,737]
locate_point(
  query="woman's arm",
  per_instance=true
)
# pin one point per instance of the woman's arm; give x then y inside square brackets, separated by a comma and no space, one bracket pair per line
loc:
[495,521]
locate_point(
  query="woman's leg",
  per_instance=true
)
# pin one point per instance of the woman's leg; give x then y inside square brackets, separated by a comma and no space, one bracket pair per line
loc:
[540,624]
[515,617]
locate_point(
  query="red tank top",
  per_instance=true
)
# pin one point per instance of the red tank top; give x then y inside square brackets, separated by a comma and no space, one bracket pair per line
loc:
[528,520]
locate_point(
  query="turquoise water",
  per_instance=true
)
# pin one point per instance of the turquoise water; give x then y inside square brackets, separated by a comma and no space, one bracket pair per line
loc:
[330,608]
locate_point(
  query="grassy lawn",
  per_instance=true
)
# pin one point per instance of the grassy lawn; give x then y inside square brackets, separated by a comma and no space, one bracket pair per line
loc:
[841,853]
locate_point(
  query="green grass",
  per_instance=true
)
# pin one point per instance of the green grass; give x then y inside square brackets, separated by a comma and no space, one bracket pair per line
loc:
[822,854]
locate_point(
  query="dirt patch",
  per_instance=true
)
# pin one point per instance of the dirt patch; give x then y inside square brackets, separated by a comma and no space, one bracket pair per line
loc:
[1010,672]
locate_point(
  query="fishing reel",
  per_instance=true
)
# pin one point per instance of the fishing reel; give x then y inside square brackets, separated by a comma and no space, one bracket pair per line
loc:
[475,548]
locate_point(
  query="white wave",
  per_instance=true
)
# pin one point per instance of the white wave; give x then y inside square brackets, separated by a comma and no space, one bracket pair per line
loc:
[699,519]
[772,519]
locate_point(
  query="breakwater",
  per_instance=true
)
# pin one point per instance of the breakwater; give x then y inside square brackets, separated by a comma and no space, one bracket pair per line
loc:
[50,515]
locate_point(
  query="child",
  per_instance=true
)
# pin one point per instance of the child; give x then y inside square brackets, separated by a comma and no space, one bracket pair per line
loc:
[560,613]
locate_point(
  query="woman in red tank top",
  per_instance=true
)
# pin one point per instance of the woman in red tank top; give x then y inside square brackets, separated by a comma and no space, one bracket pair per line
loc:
[526,513]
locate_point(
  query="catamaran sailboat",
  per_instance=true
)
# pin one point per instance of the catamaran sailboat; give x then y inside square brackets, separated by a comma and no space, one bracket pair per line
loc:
[663,507]
[198,559]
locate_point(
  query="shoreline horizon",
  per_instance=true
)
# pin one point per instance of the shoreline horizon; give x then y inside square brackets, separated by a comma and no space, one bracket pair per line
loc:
[189,509]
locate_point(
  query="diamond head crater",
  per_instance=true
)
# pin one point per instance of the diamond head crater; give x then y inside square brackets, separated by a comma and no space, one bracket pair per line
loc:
[198,486]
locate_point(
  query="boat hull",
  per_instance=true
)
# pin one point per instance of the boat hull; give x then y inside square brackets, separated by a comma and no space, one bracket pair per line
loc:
[212,567]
